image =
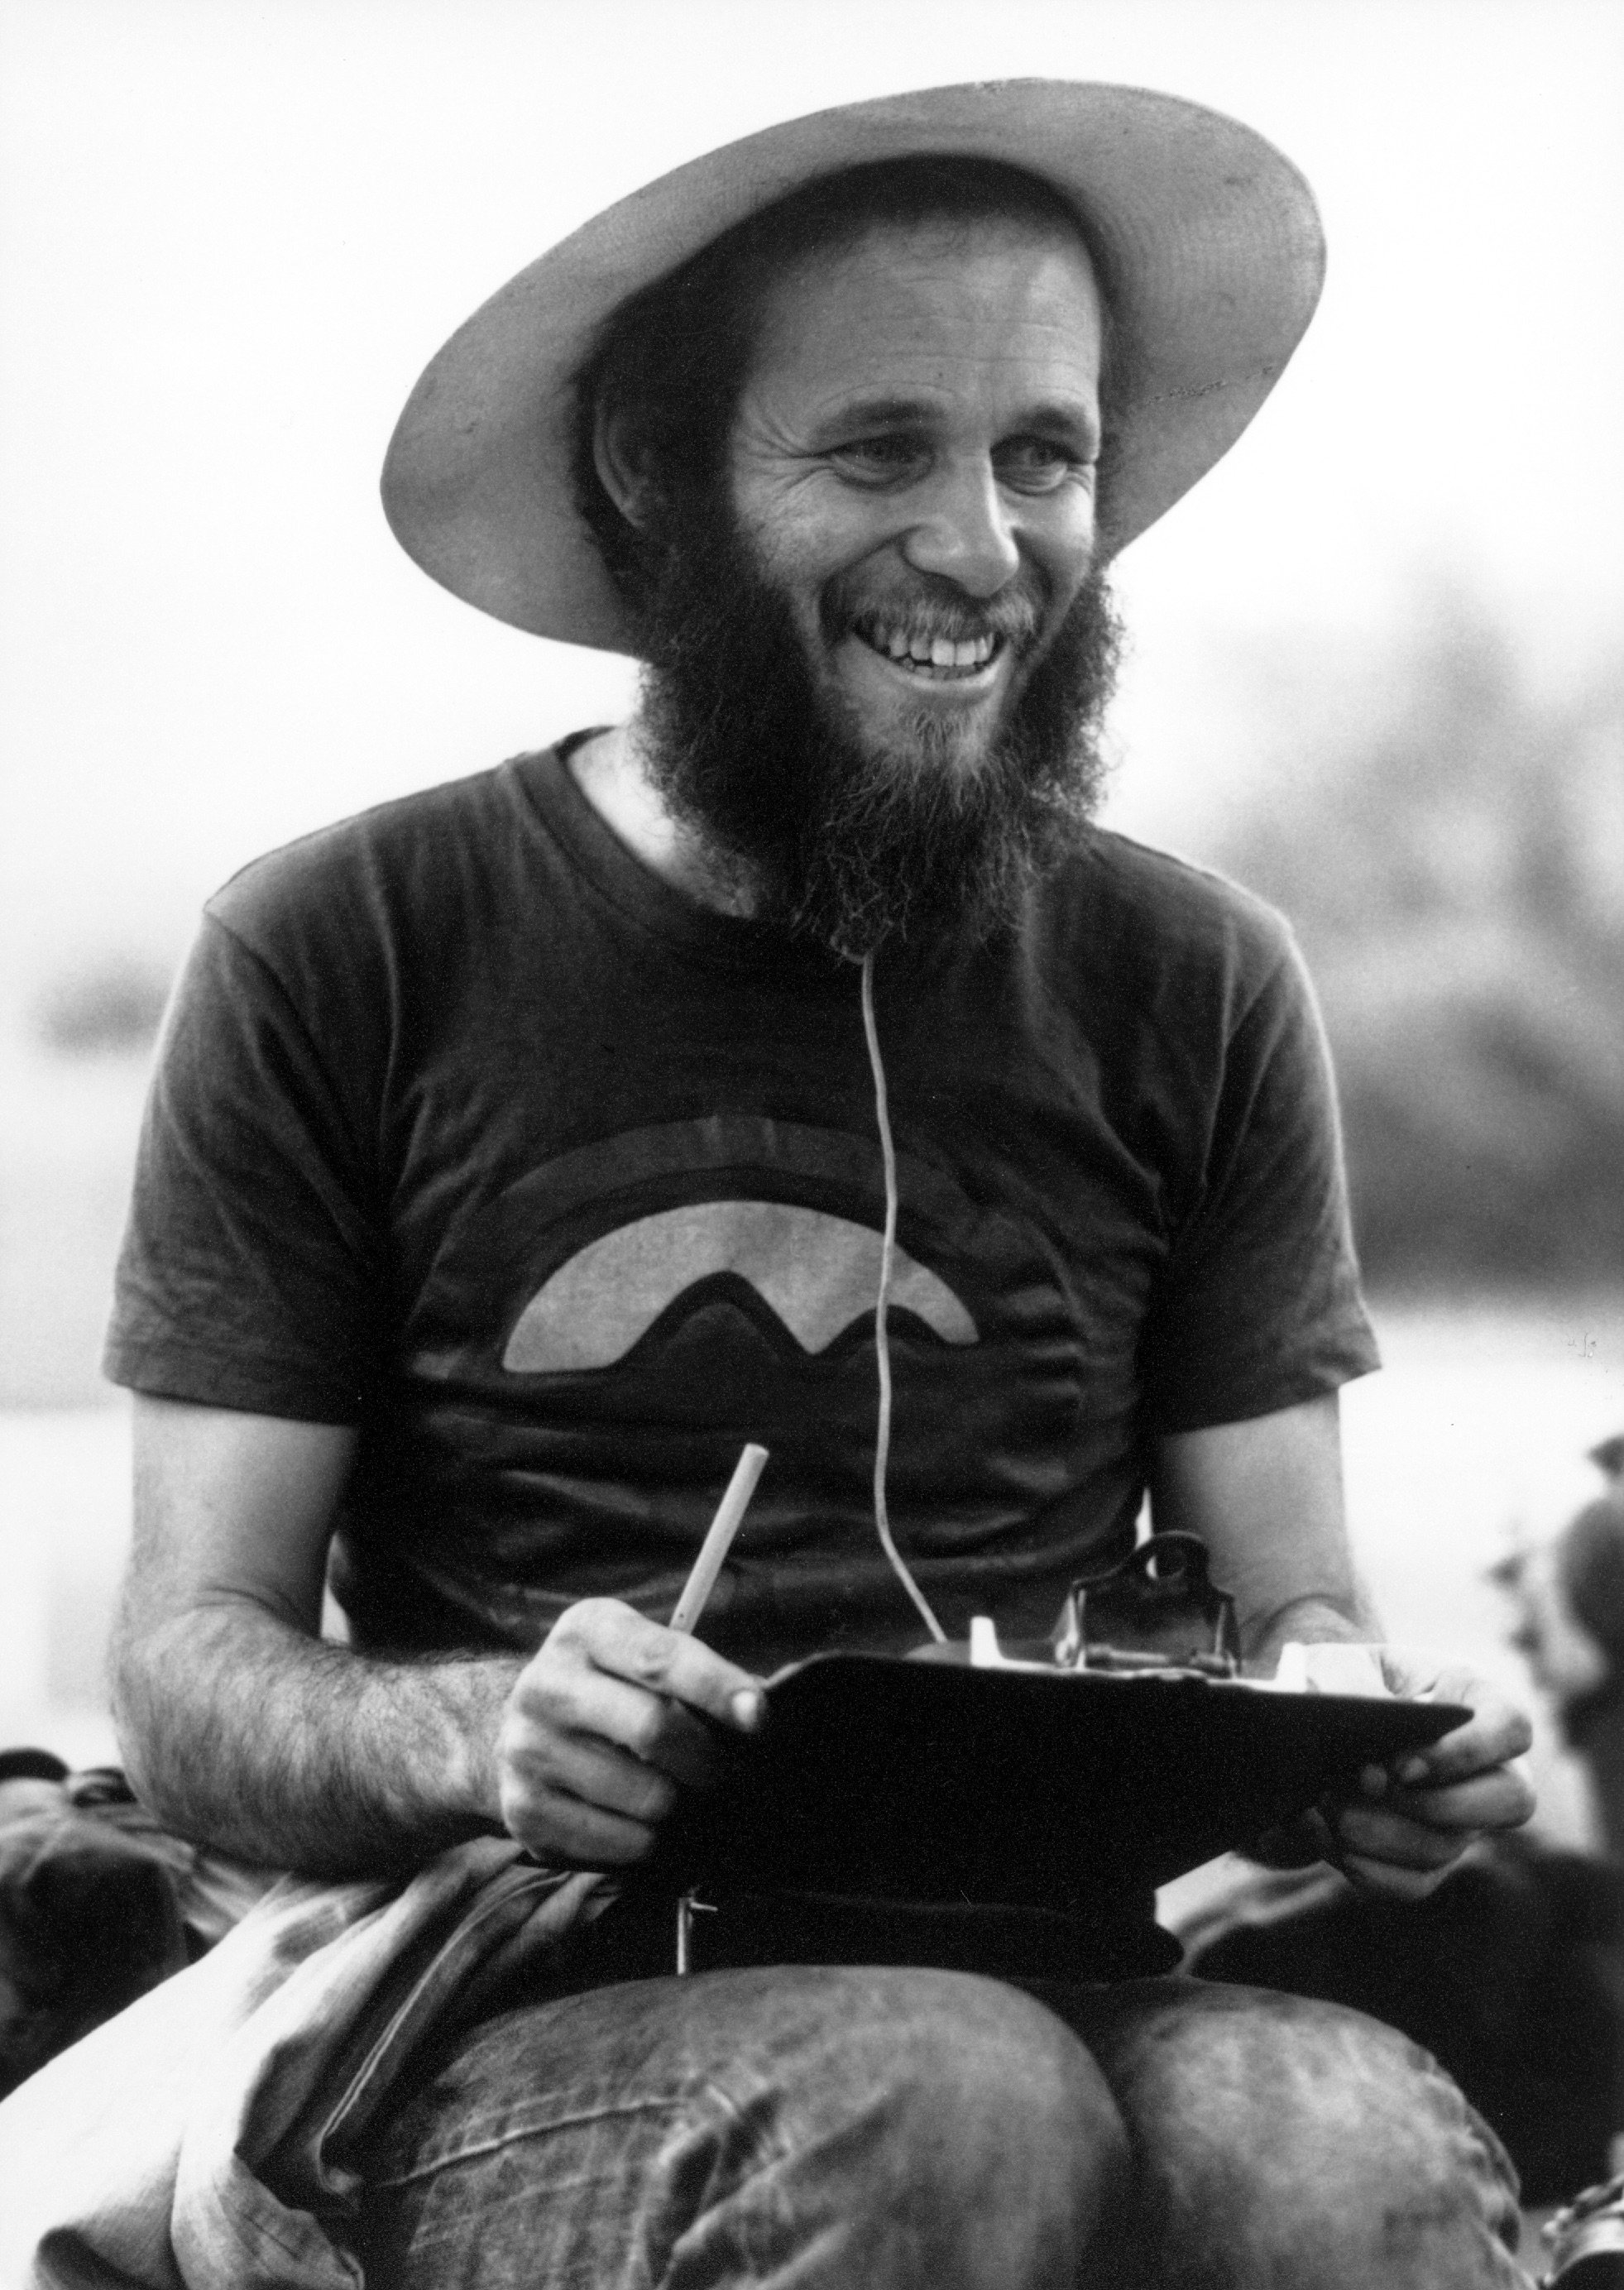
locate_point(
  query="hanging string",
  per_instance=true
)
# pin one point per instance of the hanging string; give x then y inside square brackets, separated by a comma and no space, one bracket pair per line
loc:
[882,1339]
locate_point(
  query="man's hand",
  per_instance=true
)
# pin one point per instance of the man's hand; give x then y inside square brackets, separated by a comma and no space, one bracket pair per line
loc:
[607,1723]
[1408,1825]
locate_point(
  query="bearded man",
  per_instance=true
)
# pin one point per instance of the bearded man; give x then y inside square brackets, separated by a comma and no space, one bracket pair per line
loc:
[520,1148]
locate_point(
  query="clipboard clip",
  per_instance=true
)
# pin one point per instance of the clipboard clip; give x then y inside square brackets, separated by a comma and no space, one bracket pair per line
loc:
[1158,1608]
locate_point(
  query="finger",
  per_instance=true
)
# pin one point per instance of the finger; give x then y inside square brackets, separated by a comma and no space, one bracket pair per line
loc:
[558,1828]
[1496,1731]
[1295,1844]
[1377,1835]
[617,1639]
[595,1773]
[1501,1798]
[1388,1881]
[573,1798]
[582,1703]
[1493,1736]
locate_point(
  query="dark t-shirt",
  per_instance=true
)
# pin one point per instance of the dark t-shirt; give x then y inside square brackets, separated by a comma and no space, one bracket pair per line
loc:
[470,1132]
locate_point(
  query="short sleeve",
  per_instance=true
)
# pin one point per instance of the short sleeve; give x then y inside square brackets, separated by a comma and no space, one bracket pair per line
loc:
[248,1277]
[1258,1307]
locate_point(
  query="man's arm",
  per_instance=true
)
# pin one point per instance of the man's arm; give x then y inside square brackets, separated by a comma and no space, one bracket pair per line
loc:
[240,1727]
[1266,1497]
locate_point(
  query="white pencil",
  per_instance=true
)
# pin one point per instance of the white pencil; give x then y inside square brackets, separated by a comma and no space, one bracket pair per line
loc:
[713,1549]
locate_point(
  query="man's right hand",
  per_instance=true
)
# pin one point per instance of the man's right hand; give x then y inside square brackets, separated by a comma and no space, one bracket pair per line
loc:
[608,1723]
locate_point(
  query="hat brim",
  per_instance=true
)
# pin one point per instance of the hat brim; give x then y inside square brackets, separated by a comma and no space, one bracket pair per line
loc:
[1209,235]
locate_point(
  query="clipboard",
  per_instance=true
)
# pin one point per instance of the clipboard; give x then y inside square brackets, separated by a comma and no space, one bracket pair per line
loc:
[879,1777]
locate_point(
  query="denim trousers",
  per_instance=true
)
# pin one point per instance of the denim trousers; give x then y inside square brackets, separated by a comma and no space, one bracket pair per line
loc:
[800,2128]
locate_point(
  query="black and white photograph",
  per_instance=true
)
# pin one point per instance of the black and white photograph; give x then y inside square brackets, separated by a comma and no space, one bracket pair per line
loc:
[812,1144]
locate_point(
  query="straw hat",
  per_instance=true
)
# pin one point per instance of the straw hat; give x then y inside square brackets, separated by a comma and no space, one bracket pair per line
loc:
[1209,238]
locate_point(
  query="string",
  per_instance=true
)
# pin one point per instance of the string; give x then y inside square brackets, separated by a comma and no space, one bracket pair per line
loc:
[882,1339]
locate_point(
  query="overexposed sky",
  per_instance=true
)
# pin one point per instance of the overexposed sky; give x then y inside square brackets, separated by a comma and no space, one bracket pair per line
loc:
[232,232]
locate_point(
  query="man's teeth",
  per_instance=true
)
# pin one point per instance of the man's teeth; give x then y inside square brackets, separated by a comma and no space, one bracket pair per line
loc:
[932,651]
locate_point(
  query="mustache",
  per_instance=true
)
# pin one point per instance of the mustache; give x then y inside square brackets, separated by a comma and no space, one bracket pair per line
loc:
[1014,616]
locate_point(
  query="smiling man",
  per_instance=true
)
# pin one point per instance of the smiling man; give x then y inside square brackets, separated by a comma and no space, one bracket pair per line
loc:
[521,1149]
[897,564]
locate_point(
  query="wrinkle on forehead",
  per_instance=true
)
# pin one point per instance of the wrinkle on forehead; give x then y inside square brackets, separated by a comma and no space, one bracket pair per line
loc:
[917,310]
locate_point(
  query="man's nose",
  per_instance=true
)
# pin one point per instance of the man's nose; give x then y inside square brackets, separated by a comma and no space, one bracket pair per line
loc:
[961,532]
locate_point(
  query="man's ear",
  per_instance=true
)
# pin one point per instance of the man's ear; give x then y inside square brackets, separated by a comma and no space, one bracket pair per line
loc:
[621,455]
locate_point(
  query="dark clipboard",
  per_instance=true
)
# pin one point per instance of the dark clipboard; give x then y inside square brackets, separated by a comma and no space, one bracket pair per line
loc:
[879,1777]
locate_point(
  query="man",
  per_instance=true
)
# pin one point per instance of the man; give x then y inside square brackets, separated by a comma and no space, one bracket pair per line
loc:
[520,1150]
[1570,1598]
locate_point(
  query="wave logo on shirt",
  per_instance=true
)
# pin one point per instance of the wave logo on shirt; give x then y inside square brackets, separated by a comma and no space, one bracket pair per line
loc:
[701,1249]
[817,1274]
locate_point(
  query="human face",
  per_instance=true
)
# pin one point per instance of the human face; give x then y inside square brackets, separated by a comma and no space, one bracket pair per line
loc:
[911,463]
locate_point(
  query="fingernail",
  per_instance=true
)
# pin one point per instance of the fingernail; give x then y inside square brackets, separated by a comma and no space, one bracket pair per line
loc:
[1412,1770]
[747,1707]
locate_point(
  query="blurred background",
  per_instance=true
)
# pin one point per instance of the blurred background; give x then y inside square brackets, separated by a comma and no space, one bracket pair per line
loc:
[1376,669]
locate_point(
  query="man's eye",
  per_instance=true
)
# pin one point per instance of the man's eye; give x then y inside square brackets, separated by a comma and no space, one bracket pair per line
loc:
[876,459]
[1035,465]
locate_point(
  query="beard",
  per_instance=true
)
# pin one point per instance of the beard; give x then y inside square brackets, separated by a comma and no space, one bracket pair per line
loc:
[833,837]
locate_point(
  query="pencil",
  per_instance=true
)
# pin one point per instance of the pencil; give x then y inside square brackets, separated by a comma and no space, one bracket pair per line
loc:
[713,1549]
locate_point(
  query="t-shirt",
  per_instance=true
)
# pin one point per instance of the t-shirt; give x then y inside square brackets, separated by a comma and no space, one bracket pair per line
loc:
[470,1132]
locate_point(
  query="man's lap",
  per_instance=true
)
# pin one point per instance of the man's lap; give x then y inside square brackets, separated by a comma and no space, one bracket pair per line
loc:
[813,2124]
[710,2130]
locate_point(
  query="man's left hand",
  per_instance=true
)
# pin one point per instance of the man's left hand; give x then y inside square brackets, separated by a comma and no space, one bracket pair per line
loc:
[1407,1824]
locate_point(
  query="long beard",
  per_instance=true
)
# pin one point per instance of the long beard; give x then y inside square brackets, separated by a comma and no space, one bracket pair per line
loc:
[835,840]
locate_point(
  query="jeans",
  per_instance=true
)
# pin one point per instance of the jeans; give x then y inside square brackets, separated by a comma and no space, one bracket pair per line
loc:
[803,2127]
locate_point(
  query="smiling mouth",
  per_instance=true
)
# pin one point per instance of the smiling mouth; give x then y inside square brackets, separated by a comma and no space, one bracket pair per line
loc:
[933,658]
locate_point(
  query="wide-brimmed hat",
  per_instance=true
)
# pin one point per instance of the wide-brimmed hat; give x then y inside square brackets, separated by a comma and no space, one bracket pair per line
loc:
[1209,237]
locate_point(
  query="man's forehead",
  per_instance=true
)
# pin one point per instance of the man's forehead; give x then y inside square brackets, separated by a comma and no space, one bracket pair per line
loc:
[894,297]
[879,249]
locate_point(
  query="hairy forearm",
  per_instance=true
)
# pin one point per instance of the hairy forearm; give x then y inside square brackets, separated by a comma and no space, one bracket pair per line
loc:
[246,1734]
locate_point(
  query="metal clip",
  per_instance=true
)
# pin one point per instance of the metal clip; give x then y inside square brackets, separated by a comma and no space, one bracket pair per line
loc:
[1157,1609]
[687,1906]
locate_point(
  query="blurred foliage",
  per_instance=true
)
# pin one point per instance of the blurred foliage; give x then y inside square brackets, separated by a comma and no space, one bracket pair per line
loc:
[1451,847]
[111,1004]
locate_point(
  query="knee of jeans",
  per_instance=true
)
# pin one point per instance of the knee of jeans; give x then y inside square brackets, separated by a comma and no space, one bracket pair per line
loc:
[975,2097]
[1299,2126]
[1296,2071]
[954,2046]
